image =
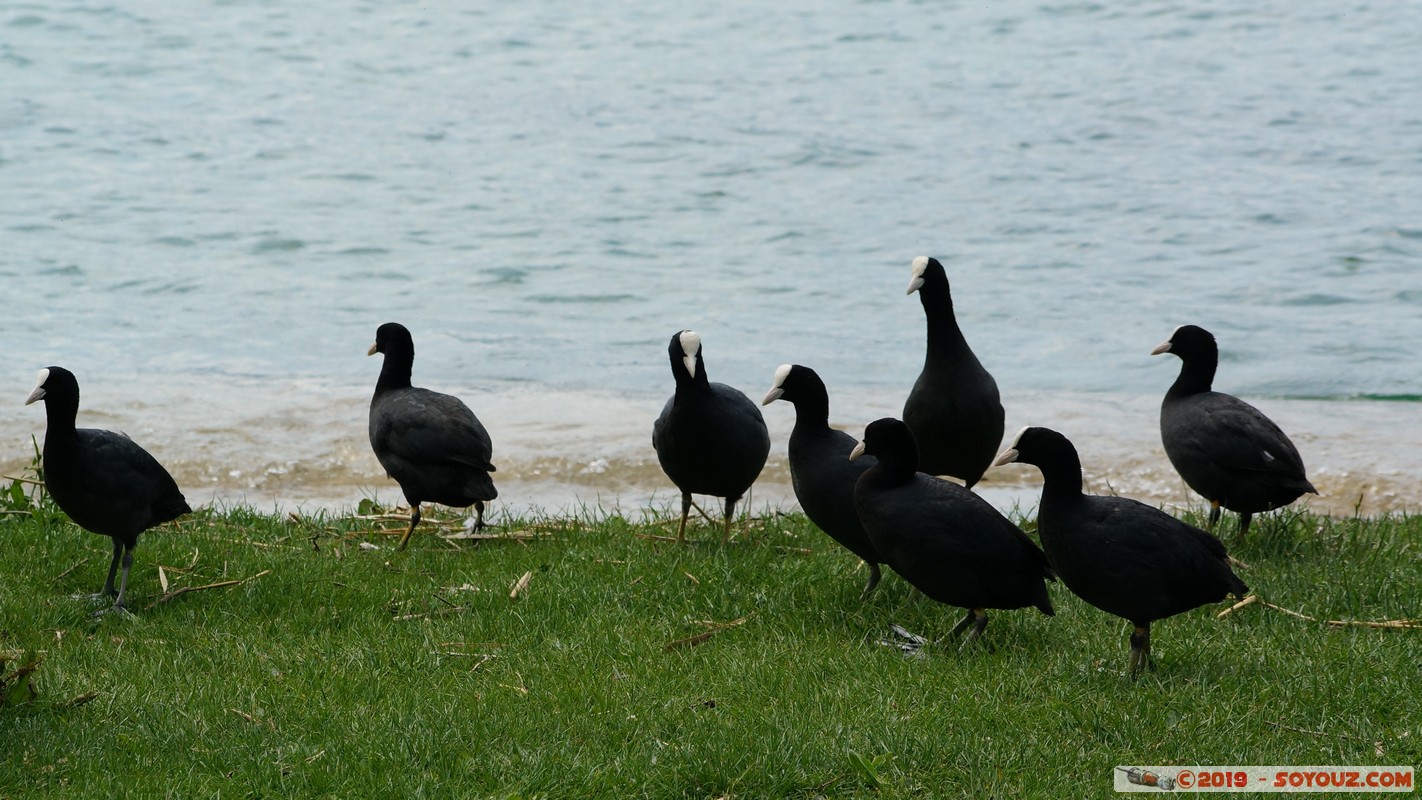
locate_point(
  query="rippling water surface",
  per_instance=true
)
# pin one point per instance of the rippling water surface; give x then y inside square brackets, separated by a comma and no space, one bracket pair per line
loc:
[207,209]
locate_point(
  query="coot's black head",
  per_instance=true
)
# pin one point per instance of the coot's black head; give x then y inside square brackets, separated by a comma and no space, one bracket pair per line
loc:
[1191,343]
[392,338]
[794,383]
[890,441]
[685,353]
[1050,452]
[927,274]
[55,386]
[1040,447]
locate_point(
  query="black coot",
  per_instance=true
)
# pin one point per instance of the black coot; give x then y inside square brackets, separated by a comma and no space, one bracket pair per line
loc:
[1223,447]
[944,540]
[430,443]
[1124,557]
[709,438]
[102,480]
[954,410]
[820,469]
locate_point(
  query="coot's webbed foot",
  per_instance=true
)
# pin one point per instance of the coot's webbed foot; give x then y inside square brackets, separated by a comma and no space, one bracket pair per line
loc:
[414,520]
[910,643]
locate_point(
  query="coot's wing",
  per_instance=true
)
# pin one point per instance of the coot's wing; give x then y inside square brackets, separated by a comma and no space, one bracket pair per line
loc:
[945,524]
[125,483]
[421,426]
[1239,436]
[1152,562]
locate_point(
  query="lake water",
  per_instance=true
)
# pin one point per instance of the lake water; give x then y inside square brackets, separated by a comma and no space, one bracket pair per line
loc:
[207,209]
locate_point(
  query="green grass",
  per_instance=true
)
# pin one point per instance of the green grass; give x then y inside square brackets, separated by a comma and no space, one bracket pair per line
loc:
[316,680]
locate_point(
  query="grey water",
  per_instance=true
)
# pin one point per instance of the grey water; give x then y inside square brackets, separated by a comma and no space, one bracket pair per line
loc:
[207,208]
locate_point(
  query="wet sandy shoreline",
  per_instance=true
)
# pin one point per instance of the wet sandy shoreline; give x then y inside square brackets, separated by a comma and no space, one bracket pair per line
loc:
[560,451]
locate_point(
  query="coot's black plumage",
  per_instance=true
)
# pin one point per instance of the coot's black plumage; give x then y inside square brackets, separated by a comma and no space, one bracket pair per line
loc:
[953,410]
[1122,556]
[820,469]
[101,479]
[946,541]
[1223,447]
[709,438]
[429,443]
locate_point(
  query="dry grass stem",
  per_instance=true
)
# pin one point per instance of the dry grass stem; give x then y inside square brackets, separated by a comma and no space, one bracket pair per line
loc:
[219,585]
[61,575]
[443,612]
[252,719]
[1389,624]
[700,638]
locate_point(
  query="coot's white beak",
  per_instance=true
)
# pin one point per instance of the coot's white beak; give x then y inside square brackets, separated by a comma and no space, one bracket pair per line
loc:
[915,284]
[1007,456]
[777,387]
[38,392]
[856,452]
[372,351]
[690,362]
[1163,347]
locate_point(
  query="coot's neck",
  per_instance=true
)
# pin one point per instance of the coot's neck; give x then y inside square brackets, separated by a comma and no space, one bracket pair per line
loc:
[943,332]
[811,411]
[1061,476]
[1197,374]
[686,383]
[60,413]
[894,468]
[395,373]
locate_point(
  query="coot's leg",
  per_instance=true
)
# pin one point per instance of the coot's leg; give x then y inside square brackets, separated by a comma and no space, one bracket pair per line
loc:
[123,579]
[1214,513]
[980,621]
[109,590]
[1244,525]
[874,576]
[726,523]
[962,624]
[1140,650]
[685,510]
[414,520]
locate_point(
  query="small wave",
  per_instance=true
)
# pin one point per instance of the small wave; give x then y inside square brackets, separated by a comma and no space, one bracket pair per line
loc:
[583,298]
[1317,300]
[277,245]
[1392,398]
[506,274]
